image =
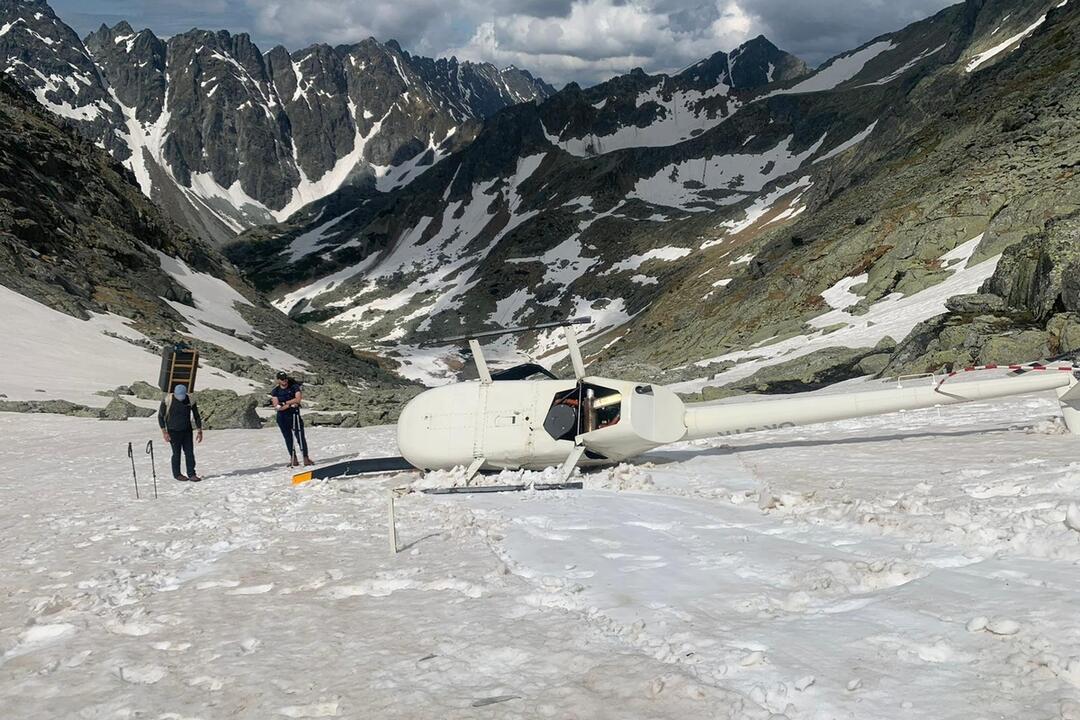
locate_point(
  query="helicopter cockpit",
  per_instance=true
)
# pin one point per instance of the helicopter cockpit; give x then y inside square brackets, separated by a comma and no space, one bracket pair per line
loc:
[582,409]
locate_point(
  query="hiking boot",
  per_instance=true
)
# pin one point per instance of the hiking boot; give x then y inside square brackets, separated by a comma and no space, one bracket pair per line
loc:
[181,478]
[308,461]
[195,478]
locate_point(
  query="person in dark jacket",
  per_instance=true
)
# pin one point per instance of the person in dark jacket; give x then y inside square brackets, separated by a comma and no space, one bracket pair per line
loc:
[174,419]
[286,397]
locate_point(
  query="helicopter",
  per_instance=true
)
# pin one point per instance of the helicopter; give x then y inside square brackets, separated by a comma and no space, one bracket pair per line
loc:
[511,420]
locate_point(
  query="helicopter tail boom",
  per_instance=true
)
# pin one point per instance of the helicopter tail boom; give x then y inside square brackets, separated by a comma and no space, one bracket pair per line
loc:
[736,418]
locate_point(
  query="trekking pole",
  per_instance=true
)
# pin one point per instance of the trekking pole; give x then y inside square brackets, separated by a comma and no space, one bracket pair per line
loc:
[296,432]
[134,475]
[153,463]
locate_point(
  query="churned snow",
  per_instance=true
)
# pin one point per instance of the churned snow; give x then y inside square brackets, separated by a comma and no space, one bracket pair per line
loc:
[911,565]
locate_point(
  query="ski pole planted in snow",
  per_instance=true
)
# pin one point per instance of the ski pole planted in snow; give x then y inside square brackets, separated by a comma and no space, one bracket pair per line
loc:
[153,463]
[134,475]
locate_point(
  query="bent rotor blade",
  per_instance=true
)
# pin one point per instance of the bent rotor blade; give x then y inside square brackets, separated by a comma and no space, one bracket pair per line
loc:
[363,466]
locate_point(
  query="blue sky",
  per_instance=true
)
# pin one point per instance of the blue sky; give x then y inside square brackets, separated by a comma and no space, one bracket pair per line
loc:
[561,40]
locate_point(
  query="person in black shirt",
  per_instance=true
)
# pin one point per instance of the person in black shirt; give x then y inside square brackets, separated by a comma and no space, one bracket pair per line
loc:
[286,397]
[174,419]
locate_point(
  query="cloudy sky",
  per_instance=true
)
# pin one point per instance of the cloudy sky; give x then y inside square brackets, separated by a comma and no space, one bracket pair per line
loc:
[561,40]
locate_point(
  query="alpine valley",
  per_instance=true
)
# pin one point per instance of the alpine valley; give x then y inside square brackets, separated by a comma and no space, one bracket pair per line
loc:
[747,223]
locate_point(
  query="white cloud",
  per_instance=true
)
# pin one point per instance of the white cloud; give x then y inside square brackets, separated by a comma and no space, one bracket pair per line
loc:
[600,38]
[560,40]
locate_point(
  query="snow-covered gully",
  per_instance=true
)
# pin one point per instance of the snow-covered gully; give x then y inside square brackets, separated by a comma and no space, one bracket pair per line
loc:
[914,565]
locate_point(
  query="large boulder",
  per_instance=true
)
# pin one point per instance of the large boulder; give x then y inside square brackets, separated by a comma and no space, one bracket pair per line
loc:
[808,372]
[1028,310]
[1040,276]
[145,391]
[356,408]
[120,409]
[58,407]
[225,410]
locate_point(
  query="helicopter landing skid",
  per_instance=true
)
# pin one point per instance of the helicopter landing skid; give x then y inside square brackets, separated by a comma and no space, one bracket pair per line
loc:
[501,488]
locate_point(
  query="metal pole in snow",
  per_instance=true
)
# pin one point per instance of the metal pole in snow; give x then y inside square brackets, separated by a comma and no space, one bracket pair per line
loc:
[134,475]
[153,463]
[392,522]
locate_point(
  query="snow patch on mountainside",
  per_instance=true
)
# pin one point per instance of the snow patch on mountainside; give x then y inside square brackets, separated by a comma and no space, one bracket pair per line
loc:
[309,190]
[307,243]
[907,66]
[698,184]
[1010,44]
[214,310]
[684,114]
[441,268]
[848,144]
[664,254]
[840,297]
[763,206]
[54,356]
[893,316]
[839,70]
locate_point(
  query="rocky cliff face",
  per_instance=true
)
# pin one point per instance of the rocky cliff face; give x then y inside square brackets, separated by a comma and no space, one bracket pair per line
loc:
[78,236]
[224,137]
[741,203]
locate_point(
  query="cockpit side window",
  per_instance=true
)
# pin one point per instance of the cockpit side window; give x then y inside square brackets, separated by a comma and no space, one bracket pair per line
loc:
[582,409]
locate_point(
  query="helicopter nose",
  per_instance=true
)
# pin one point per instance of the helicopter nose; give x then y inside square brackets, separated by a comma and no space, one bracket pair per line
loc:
[436,428]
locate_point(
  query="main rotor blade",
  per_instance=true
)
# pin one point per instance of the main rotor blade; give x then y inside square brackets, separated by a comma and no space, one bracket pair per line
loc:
[354,467]
[508,331]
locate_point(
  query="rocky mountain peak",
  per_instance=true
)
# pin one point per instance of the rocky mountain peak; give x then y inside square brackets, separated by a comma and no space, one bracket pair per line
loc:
[755,63]
[224,137]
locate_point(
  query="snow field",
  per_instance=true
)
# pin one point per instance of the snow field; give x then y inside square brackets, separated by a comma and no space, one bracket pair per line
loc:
[918,564]
[246,597]
[43,344]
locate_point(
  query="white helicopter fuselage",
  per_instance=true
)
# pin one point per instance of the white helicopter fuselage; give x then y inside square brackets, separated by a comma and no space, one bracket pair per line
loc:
[494,423]
[535,424]
[504,423]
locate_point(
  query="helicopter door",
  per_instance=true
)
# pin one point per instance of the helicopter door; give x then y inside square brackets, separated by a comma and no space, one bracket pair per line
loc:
[504,435]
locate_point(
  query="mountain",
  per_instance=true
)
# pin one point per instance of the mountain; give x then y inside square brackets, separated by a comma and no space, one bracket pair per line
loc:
[741,208]
[224,137]
[94,281]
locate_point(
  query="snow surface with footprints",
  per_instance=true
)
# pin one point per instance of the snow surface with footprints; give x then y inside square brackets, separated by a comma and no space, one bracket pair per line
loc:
[915,565]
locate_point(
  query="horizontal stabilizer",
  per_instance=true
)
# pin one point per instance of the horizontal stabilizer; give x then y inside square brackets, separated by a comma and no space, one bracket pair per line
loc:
[363,466]
[500,488]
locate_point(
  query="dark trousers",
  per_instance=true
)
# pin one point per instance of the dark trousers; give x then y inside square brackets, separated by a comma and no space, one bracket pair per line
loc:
[182,439]
[290,423]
